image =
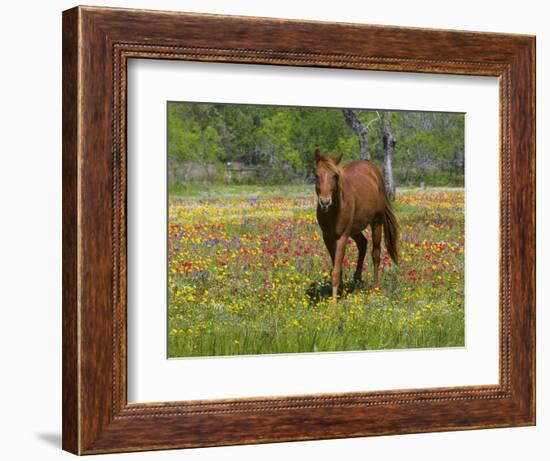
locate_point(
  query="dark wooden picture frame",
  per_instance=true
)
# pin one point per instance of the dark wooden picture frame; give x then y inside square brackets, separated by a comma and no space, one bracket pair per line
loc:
[97,43]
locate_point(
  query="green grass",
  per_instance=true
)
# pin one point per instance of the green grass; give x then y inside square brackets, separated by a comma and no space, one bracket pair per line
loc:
[197,190]
[248,274]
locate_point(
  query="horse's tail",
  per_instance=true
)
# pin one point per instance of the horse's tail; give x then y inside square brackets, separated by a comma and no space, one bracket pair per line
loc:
[391,231]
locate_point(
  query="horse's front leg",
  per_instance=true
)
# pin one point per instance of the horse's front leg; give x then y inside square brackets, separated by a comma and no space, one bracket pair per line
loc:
[337,268]
[330,243]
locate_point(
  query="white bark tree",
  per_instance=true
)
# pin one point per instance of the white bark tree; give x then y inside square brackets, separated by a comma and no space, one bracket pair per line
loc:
[360,130]
[389,142]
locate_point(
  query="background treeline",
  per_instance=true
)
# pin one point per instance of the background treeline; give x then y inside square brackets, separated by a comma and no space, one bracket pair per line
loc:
[231,143]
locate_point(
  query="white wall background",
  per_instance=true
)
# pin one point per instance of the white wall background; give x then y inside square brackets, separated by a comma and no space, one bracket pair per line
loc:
[30,236]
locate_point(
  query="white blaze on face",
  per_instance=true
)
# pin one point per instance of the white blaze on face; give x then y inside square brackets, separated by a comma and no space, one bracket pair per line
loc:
[325,184]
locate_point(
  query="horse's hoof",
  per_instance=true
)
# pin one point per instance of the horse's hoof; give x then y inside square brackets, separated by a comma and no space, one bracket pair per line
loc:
[357,283]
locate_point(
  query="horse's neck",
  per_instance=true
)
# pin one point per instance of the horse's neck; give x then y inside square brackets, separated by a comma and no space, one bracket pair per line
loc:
[343,191]
[339,200]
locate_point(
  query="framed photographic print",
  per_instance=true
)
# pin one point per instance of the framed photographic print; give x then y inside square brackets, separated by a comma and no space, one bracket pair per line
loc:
[282,230]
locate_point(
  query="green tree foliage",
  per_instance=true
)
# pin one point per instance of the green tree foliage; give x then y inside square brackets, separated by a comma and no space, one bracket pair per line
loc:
[190,138]
[277,143]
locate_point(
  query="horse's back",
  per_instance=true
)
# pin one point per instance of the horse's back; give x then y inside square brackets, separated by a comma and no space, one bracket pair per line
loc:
[365,176]
[370,200]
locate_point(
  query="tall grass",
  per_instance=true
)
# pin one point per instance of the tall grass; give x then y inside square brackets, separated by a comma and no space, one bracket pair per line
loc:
[248,274]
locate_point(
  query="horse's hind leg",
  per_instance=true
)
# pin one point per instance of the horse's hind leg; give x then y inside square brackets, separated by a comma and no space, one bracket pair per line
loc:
[376,239]
[362,243]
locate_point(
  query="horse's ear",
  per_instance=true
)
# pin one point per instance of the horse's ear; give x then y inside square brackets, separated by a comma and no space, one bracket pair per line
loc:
[318,155]
[337,159]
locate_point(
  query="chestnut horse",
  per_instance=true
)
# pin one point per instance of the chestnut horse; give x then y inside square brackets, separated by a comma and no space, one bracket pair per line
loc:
[351,198]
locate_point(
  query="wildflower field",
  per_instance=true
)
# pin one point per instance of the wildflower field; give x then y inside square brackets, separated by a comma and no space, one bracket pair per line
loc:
[249,274]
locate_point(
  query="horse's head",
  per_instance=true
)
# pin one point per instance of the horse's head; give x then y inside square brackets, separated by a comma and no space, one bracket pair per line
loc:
[328,179]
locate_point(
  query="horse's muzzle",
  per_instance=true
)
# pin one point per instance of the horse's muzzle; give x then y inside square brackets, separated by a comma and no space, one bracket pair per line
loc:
[325,203]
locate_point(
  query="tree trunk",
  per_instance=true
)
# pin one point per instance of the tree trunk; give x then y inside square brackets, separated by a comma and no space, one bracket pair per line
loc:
[361,132]
[389,146]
